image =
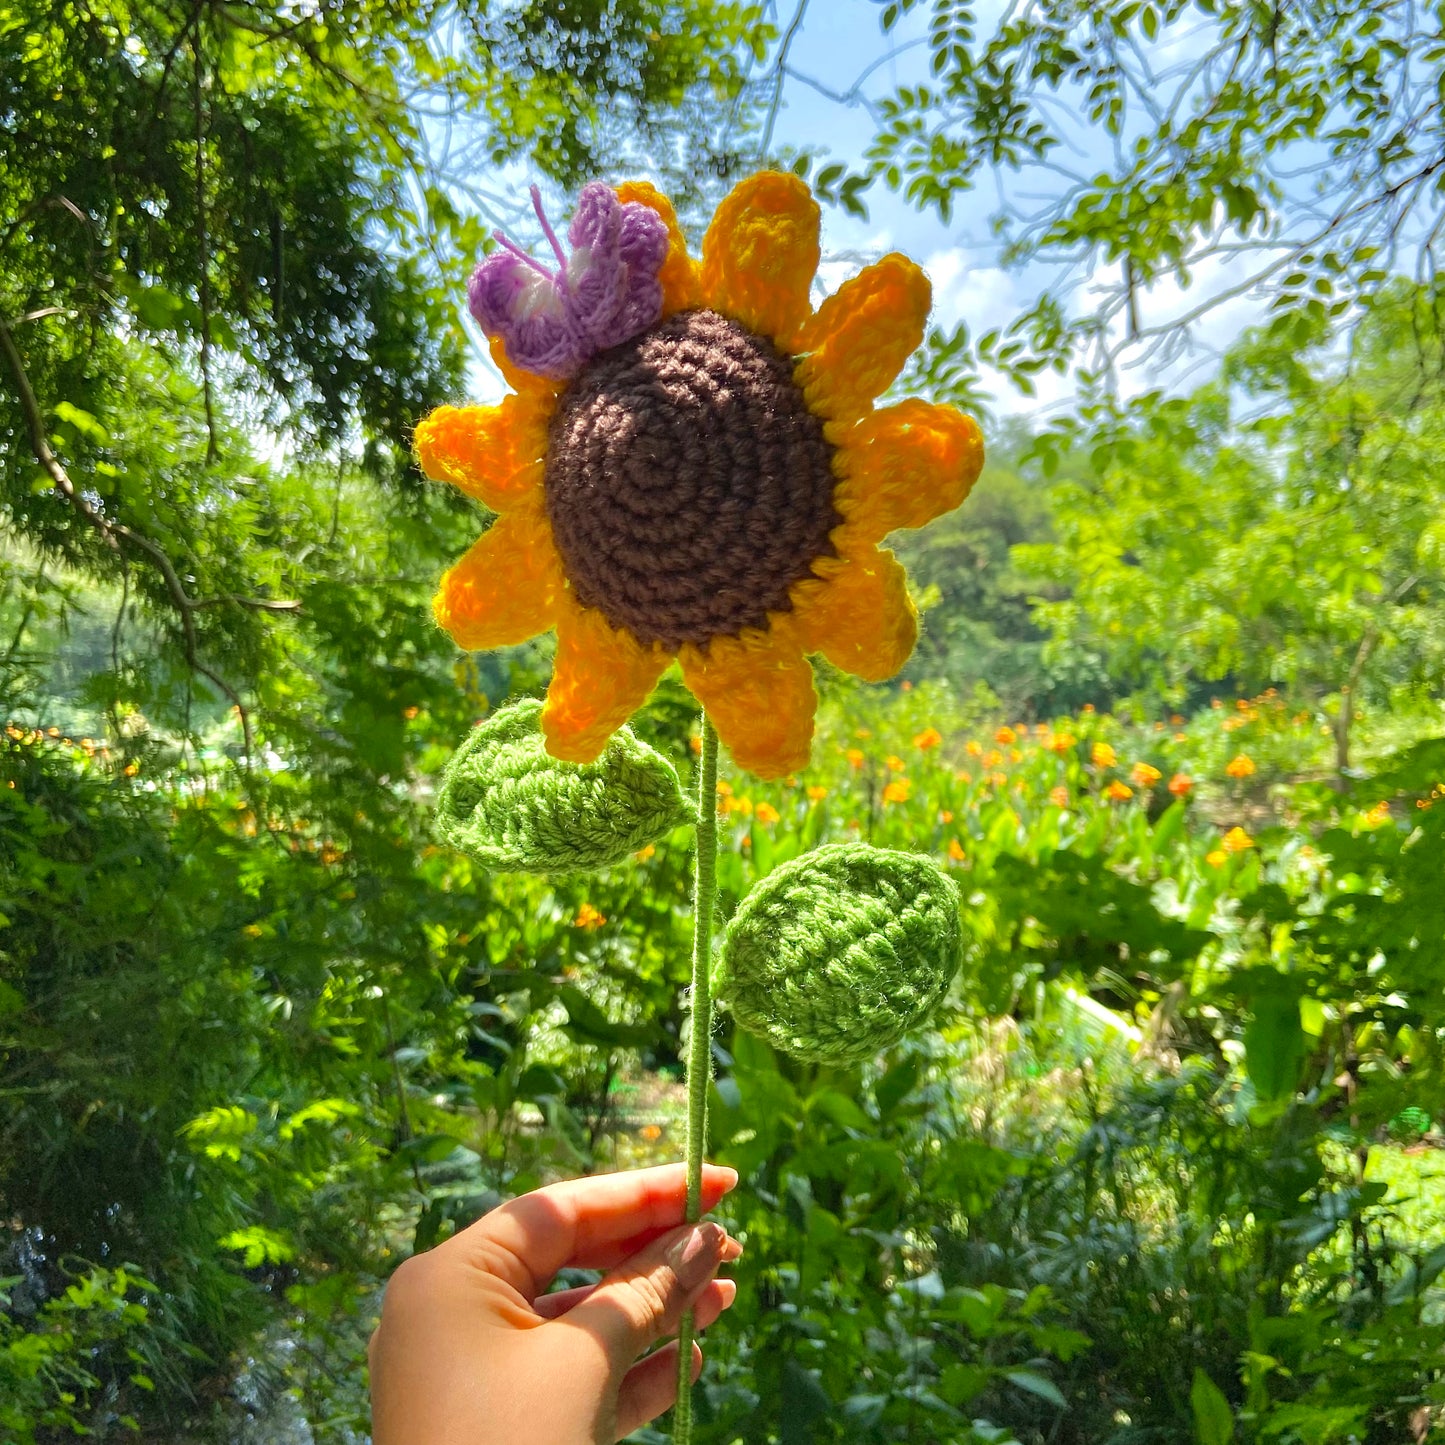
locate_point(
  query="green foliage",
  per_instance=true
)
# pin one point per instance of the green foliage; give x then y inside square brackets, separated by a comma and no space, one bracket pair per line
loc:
[603,88]
[1274,1047]
[47,1382]
[1223,491]
[234,981]
[325,1025]
[1213,1419]
[846,1328]
[978,604]
[201,182]
[226,238]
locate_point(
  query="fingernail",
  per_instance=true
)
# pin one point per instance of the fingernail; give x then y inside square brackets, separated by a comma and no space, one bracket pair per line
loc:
[729,1290]
[730,1177]
[694,1257]
[731,1250]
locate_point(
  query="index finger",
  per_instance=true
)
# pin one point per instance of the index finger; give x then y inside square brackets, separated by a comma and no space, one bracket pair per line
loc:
[591,1223]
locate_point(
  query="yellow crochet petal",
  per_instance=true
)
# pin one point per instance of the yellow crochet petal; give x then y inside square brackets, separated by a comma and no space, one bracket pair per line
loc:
[904,465]
[861,336]
[760,253]
[758,691]
[506,589]
[601,676]
[680,290]
[860,616]
[493,453]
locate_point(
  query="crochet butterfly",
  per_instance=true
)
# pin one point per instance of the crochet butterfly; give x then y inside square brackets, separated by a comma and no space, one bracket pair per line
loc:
[601,295]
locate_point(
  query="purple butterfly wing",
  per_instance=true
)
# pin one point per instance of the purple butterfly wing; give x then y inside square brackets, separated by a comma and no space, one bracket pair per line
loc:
[618,250]
[604,294]
[596,272]
[523,306]
[644,245]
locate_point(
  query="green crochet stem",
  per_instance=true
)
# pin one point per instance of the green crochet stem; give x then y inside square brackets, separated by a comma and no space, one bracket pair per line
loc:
[699,1062]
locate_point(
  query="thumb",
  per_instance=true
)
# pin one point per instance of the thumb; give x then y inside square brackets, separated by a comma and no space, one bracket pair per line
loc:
[643,1299]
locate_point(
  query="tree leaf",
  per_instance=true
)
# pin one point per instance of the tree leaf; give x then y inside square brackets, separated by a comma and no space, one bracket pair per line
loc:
[86,424]
[588,1021]
[961,1383]
[1213,1418]
[1274,1047]
[1037,1384]
[803,1403]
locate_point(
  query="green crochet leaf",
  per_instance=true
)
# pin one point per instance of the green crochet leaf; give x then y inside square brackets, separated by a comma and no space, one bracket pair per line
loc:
[514,808]
[841,952]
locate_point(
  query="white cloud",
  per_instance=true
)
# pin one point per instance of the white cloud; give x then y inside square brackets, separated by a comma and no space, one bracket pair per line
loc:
[983,296]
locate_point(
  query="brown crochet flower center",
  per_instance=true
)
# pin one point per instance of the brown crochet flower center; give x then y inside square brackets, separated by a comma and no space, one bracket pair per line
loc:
[688,484]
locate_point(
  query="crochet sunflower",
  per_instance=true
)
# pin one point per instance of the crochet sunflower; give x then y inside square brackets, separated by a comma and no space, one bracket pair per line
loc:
[691,466]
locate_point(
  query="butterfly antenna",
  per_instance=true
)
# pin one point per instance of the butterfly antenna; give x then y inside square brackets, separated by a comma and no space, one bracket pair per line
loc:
[547,227]
[508,244]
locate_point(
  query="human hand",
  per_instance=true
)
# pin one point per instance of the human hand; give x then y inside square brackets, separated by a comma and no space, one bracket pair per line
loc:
[470,1351]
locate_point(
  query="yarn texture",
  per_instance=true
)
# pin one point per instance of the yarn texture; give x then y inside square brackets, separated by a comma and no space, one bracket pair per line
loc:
[693,466]
[605,291]
[513,808]
[687,483]
[840,953]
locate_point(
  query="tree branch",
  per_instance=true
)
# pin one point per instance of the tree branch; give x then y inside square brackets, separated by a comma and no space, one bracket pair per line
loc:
[1345,721]
[782,74]
[257,604]
[203,252]
[40,315]
[854,94]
